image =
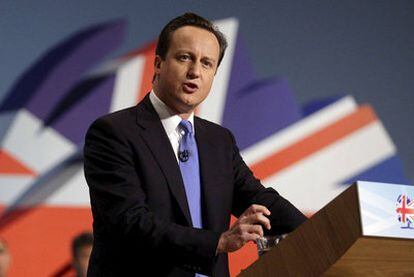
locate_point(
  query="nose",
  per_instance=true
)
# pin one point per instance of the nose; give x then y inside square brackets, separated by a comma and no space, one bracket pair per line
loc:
[194,70]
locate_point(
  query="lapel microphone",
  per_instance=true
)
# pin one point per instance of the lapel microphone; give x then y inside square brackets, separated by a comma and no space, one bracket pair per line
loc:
[183,155]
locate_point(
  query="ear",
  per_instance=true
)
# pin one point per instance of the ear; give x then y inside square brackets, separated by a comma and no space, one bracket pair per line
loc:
[157,64]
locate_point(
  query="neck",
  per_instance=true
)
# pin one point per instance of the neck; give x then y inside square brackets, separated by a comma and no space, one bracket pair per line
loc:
[183,114]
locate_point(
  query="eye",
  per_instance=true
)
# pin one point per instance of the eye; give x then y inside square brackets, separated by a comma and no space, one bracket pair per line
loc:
[207,63]
[184,57]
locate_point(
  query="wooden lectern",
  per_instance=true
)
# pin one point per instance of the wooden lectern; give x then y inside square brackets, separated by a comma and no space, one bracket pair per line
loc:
[332,243]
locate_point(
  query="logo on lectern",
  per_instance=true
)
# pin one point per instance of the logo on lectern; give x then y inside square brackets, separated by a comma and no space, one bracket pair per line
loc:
[405,211]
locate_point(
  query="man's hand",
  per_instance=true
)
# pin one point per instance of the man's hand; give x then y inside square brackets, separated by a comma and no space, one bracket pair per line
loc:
[248,227]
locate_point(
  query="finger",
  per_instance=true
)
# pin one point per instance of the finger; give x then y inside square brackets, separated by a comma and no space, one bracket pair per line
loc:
[256,208]
[255,229]
[250,237]
[257,218]
[248,228]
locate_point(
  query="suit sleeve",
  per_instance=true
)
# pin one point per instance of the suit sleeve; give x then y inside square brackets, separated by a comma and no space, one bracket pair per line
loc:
[248,190]
[119,204]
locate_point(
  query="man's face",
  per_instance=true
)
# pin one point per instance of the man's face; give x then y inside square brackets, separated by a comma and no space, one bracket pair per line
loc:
[184,78]
[4,259]
[82,259]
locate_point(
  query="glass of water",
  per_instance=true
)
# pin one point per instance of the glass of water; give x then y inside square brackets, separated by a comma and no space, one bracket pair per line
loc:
[264,244]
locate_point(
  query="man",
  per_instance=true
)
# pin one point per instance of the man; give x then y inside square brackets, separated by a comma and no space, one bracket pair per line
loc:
[4,258]
[81,252]
[163,183]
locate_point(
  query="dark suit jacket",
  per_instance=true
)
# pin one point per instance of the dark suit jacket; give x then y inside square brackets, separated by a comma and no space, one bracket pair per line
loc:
[141,217]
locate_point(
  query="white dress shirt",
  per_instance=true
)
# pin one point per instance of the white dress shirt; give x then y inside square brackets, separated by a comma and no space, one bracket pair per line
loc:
[170,122]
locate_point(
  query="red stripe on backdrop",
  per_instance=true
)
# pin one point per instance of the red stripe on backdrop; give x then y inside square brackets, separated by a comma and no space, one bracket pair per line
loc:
[10,165]
[140,51]
[148,52]
[40,241]
[148,71]
[242,258]
[313,143]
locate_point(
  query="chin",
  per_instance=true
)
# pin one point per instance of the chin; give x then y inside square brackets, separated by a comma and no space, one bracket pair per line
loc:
[188,102]
[187,108]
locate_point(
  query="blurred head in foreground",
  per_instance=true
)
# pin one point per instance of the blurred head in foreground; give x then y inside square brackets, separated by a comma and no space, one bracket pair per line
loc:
[81,251]
[4,258]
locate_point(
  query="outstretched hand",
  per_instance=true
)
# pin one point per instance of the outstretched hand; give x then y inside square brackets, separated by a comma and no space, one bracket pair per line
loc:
[248,227]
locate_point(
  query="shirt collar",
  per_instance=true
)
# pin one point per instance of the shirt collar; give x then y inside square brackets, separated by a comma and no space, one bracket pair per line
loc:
[169,119]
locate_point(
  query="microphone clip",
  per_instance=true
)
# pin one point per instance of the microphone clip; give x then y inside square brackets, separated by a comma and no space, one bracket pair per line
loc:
[183,156]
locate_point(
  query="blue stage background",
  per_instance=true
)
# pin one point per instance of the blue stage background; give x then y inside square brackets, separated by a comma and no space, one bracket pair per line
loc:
[323,48]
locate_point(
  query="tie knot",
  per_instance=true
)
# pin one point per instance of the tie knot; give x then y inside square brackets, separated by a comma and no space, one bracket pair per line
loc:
[186,126]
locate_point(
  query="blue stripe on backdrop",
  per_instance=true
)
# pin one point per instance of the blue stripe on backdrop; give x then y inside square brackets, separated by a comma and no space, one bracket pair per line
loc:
[388,171]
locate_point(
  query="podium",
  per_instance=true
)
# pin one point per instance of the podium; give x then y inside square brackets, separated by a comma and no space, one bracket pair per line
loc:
[368,230]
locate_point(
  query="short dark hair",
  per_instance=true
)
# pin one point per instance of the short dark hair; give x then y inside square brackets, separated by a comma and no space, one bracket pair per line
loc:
[188,19]
[81,240]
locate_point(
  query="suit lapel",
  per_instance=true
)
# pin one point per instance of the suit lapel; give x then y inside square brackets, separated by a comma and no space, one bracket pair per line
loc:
[156,139]
[211,204]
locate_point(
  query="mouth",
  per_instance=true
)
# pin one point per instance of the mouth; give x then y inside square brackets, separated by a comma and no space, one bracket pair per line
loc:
[190,87]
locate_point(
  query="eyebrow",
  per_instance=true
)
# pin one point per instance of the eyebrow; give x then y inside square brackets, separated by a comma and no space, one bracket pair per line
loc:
[180,51]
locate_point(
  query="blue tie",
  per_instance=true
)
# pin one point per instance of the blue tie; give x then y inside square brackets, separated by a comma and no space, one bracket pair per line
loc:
[188,156]
[190,172]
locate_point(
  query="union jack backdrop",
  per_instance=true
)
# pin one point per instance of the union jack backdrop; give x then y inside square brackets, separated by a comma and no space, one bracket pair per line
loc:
[309,153]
